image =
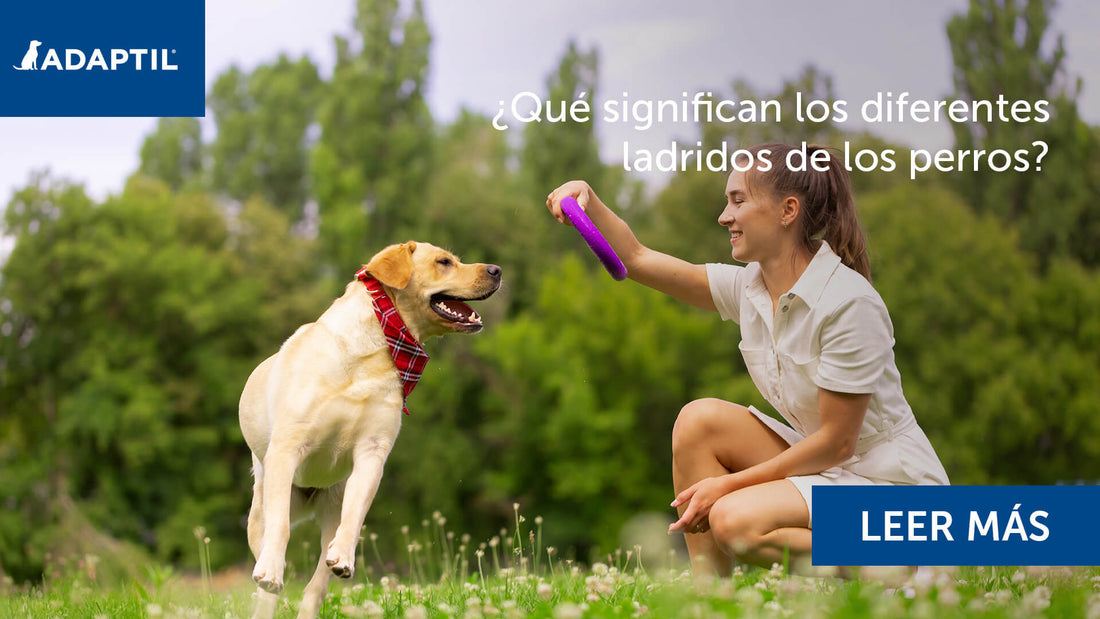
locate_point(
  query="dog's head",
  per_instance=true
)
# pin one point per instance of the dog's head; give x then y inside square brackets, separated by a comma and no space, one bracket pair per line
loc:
[430,287]
[35,44]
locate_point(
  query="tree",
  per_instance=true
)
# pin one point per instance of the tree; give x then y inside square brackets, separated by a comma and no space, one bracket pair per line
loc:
[999,365]
[375,154]
[564,149]
[174,152]
[1003,49]
[557,151]
[129,329]
[263,136]
[811,84]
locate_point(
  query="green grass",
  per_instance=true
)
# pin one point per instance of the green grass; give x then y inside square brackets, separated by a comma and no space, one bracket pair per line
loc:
[604,591]
[512,575]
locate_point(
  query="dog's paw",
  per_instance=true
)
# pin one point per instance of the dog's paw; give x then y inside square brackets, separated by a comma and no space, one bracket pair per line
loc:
[343,565]
[268,574]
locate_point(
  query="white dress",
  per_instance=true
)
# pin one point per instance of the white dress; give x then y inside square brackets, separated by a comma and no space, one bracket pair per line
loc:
[833,331]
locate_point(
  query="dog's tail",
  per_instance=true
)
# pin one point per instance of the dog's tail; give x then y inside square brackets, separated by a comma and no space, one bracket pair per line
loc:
[18,68]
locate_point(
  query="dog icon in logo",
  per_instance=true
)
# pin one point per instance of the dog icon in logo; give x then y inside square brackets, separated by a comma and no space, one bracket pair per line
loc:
[30,59]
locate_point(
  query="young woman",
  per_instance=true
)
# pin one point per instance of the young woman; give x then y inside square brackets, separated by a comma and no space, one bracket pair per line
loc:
[818,343]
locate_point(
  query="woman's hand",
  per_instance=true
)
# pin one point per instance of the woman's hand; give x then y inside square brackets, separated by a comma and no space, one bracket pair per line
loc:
[700,497]
[673,276]
[579,190]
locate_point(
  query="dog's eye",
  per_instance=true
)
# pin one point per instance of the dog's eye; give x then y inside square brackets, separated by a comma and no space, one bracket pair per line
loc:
[444,262]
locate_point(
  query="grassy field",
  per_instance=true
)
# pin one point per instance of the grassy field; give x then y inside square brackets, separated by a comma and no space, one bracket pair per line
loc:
[513,575]
[606,591]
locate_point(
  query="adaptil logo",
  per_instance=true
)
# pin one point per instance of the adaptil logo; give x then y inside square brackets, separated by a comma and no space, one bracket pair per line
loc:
[97,59]
[119,58]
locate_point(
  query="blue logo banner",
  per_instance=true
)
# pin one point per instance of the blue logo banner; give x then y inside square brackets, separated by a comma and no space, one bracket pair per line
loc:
[115,58]
[956,525]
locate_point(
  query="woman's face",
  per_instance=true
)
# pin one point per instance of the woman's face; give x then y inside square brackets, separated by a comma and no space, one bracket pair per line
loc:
[753,219]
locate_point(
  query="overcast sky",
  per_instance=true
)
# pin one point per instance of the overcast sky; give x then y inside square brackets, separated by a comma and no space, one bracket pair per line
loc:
[486,51]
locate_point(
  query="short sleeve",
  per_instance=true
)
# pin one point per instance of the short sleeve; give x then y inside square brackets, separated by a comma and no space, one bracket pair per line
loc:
[725,289]
[857,342]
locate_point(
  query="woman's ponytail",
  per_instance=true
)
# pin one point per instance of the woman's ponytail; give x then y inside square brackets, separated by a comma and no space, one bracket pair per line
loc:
[842,231]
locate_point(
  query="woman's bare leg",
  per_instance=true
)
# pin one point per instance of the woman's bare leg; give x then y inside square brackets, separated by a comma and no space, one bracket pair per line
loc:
[760,524]
[712,438]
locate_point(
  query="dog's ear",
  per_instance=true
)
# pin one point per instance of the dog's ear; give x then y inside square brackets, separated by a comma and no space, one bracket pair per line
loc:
[393,265]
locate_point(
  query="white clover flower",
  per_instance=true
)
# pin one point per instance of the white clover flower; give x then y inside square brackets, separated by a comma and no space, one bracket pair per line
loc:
[1036,601]
[750,597]
[949,597]
[372,609]
[599,568]
[568,611]
[155,610]
[416,611]
[544,590]
[1092,607]
[351,611]
[1001,596]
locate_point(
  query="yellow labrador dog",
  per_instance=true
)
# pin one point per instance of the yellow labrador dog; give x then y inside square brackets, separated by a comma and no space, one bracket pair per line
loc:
[321,415]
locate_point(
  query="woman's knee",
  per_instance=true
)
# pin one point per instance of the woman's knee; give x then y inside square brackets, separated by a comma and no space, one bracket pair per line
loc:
[691,424]
[734,526]
[699,421]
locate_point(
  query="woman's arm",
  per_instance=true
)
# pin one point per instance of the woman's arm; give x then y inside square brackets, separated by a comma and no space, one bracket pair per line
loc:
[668,274]
[833,443]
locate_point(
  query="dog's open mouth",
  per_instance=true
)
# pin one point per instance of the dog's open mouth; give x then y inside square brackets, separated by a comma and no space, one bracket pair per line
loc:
[456,310]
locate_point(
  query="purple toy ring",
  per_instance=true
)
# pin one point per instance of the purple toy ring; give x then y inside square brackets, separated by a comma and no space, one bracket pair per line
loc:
[592,236]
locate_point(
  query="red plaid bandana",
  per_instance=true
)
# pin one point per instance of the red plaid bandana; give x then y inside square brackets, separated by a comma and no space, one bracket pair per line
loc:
[408,355]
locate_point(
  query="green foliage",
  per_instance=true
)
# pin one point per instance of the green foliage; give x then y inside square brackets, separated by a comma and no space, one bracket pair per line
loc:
[812,83]
[996,361]
[1001,48]
[561,149]
[132,325]
[174,152]
[374,157]
[263,118]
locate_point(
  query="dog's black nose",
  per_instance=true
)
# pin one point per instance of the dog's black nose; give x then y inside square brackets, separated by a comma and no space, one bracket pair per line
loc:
[494,271]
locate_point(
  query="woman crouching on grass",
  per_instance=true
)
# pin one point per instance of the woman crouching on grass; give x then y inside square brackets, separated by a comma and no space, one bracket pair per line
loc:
[818,343]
